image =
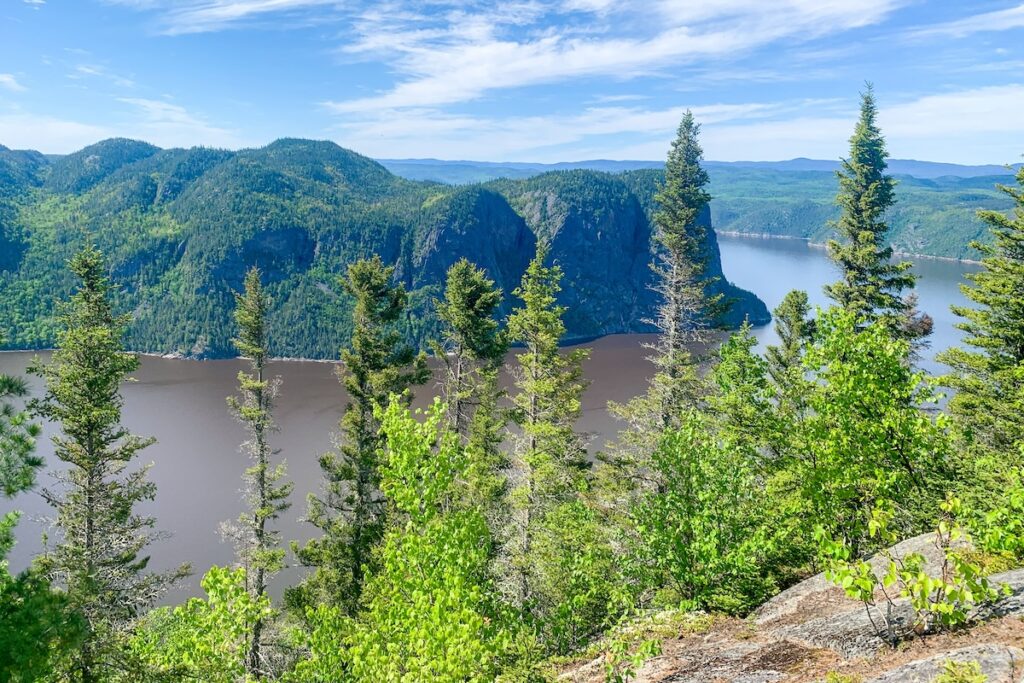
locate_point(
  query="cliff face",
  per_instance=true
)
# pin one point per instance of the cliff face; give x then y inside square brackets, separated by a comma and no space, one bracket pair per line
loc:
[181,227]
[601,232]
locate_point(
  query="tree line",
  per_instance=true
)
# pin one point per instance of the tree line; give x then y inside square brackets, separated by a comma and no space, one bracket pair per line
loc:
[477,540]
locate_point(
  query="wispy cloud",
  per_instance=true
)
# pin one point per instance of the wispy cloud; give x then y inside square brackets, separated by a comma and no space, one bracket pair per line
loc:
[972,121]
[178,17]
[469,54]
[34,4]
[48,133]
[9,82]
[171,125]
[96,71]
[999,20]
[430,132]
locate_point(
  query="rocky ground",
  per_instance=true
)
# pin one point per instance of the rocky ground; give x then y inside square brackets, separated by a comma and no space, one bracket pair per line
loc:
[812,629]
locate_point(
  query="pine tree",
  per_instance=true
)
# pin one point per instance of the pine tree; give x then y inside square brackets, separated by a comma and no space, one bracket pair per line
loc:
[872,285]
[98,559]
[988,375]
[549,458]
[266,493]
[795,329]
[351,511]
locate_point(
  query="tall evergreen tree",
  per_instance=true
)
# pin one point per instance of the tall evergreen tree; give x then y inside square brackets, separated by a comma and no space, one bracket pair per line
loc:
[872,285]
[470,339]
[99,558]
[550,532]
[36,627]
[988,375]
[687,306]
[351,511]
[266,493]
[472,348]
[795,329]
[687,310]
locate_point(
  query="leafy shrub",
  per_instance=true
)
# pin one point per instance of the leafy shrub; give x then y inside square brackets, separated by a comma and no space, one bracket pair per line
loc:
[961,672]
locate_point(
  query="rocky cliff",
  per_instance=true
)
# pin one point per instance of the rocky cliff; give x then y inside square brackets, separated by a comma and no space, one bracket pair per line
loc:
[180,228]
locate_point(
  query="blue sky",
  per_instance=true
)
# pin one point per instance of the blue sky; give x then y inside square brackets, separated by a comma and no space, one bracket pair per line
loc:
[516,80]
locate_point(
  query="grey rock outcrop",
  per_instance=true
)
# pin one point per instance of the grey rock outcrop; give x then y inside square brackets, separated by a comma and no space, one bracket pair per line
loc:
[1000,663]
[820,597]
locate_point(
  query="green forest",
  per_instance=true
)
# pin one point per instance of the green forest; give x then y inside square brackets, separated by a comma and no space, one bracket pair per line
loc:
[936,214]
[476,540]
[180,227]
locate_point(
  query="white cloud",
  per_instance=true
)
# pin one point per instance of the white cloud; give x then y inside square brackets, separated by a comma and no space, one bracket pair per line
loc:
[162,123]
[471,55]
[34,4]
[48,134]
[999,20]
[202,16]
[96,71]
[428,132]
[11,83]
[170,125]
[973,125]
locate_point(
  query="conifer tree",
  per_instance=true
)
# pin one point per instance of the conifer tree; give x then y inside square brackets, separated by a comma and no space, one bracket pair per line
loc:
[266,493]
[99,557]
[872,285]
[795,329]
[687,307]
[549,459]
[351,511]
[470,339]
[36,627]
[473,348]
[988,374]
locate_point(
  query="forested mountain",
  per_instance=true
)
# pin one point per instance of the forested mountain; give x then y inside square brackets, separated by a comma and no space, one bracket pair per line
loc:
[935,213]
[181,227]
[459,171]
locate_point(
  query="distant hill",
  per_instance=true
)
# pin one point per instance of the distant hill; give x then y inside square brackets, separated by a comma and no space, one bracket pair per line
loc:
[481,171]
[181,226]
[935,213]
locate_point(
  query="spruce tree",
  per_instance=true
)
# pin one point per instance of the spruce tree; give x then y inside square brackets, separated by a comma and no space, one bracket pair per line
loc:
[351,512]
[688,308]
[36,626]
[795,329]
[472,348]
[470,339]
[266,493]
[99,557]
[872,285]
[549,530]
[687,311]
[988,373]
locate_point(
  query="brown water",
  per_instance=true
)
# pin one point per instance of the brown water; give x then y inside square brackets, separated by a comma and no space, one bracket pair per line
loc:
[197,465]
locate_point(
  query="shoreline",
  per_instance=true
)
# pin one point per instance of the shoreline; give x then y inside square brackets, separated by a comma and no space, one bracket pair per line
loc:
[569,343]
[821,245]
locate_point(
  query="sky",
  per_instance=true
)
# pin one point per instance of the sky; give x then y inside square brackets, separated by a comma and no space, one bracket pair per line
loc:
[517,80]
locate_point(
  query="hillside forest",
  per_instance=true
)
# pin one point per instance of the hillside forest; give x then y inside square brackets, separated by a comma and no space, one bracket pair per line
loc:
[479,540]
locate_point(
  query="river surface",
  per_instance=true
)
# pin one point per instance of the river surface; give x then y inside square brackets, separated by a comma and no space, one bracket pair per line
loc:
[197,463]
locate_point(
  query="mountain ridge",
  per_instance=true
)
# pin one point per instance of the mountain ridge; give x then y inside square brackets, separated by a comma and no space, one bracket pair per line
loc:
[181,226]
